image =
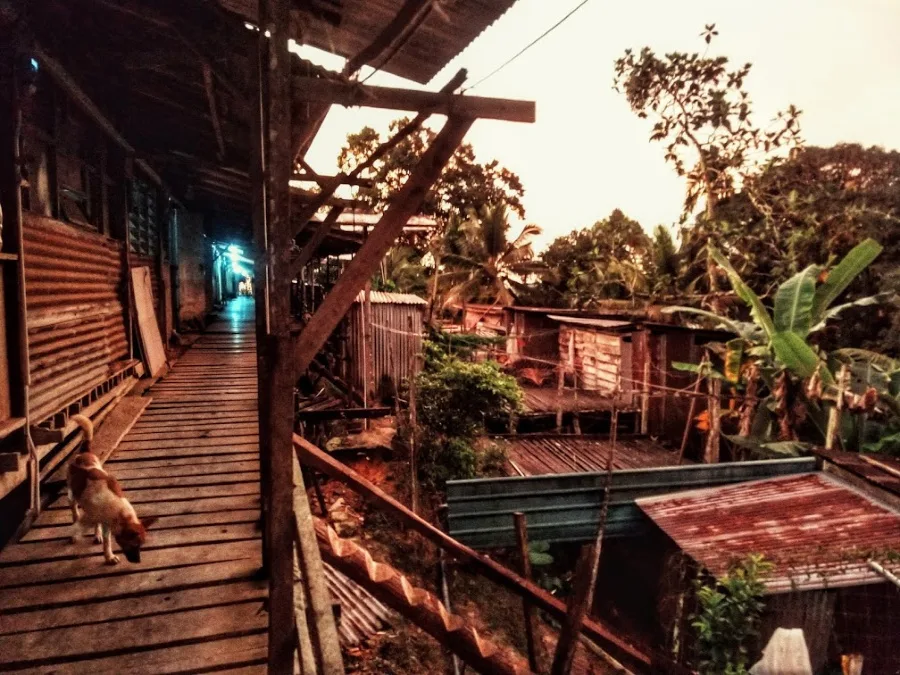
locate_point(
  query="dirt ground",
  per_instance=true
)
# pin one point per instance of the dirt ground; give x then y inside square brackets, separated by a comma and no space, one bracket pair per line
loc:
[403,649]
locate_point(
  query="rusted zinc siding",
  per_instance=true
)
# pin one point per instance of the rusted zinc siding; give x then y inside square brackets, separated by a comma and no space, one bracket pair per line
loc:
[818,532]
[76,323]
[542,454]
[396,325]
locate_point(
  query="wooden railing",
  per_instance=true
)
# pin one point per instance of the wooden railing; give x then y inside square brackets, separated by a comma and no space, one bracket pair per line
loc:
[311,456]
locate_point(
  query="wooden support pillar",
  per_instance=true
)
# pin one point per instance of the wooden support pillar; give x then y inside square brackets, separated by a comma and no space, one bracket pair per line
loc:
[403,206]
[532,640]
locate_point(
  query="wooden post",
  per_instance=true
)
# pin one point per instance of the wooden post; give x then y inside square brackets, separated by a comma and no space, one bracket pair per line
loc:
[368,349]
[413,433]
[560,389]
[711,456]
[13,303]
[586,572]
[692,408]
[532,640]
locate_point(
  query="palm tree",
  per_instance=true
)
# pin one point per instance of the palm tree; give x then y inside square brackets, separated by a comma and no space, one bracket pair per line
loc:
[486,265]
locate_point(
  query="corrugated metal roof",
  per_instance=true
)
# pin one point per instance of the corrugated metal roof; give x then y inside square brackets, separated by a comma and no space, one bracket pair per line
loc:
[382,298]
[817,531]
[609,324]
[543,454]
[879,470]
[442,35]
[566,507]
[546,400]
[361,614]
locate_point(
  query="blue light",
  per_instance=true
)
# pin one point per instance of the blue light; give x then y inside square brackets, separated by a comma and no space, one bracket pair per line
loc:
[34,64]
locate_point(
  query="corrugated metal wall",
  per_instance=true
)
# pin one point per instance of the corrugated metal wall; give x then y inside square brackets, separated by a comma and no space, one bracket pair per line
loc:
[395,349]
[76,323]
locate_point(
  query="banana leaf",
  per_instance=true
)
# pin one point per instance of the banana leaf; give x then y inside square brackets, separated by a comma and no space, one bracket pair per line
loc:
[794,302]
[793,351]
[757,310]
[862,302]
[843,274]
[734,358]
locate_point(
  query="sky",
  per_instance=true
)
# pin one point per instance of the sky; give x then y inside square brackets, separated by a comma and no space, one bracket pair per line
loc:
[588,153]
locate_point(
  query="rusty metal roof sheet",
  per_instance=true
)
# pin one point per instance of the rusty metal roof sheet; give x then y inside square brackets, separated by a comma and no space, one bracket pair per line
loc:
[443,34]
[382,298]
[818,531]
[544,454]
[880,470]
[361,614]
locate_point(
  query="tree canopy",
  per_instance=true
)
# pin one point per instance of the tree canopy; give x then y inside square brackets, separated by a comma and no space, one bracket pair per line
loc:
[464,185]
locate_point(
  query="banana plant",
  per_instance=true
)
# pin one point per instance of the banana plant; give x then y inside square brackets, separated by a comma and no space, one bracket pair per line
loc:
[777,342]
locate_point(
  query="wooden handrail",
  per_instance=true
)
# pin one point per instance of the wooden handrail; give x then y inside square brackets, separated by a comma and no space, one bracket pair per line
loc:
[312,456]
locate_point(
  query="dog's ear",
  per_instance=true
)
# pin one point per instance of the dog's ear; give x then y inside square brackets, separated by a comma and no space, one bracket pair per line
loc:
[148,521]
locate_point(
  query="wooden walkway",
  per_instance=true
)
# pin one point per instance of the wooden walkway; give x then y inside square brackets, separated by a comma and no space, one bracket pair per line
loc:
[191,604]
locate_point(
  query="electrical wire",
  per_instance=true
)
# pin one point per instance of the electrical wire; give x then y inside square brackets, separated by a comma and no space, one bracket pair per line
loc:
[529,45]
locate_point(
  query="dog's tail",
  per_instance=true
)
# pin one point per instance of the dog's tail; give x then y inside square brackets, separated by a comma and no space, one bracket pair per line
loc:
[88,428]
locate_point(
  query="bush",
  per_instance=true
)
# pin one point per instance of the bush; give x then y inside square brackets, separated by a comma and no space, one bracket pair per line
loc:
[728,615]
[456,397]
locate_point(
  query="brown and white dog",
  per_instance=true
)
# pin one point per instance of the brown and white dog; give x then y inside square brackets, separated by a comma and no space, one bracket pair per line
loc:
[102,503]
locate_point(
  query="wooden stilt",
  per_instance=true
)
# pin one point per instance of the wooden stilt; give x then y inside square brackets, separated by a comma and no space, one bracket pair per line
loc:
[531,638]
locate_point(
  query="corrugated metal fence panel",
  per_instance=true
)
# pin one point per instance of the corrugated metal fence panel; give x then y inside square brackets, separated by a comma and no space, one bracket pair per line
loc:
[76,324]
[566,508]
[397,341]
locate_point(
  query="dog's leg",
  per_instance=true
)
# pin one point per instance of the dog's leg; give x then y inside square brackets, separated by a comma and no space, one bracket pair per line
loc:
[107,546]
[76,529]
[98,534]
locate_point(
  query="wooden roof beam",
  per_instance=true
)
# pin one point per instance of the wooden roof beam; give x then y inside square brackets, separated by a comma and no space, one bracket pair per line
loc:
[315,90]
[403,206]
[394,35]
[323,179]
[213,107]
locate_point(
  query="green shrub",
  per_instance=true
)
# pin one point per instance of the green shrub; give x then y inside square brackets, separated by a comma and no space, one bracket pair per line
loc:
[456,397]
[728,616]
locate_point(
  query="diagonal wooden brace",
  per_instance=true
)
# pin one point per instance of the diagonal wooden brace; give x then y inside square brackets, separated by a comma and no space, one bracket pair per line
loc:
[403,206]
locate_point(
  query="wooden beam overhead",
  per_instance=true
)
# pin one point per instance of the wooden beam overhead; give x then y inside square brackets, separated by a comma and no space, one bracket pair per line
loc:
[318,236]
[403,206]
[392,38]
[213,107]
[315,90]
[323,179]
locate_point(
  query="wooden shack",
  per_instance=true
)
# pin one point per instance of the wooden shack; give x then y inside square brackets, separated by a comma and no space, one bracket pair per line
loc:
[392,325]
[596,354]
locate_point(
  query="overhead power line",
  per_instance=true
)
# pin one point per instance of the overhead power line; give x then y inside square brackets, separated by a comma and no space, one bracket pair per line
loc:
[529,45]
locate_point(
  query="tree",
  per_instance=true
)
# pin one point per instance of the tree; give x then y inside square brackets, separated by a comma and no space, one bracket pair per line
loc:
[401,271]
[604,261]
[464,185]
[704,115]
[820,199]
[489,266]
[797,378]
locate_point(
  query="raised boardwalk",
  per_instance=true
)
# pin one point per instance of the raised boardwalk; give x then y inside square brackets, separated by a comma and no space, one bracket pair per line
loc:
[191,604]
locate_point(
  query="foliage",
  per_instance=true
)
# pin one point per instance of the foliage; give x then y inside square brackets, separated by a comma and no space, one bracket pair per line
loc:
[441,345]
[604,261]
[483,264]
[798,377]
[790,211]
[455,398]
[539,553]
[728,617]
[465,184]
[704,115]
[401,271]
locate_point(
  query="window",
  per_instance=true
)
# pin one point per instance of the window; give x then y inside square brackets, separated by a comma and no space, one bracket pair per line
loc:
[142,218]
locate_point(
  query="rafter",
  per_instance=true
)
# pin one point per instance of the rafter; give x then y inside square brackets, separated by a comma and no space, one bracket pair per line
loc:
[328,91]
[318,236]
[213,108]
[393,36]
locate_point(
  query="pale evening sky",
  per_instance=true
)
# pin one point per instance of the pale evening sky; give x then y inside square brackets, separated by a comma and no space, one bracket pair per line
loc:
[588,153]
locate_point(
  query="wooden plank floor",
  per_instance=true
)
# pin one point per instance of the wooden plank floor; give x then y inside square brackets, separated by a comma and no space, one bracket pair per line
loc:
[192,603]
